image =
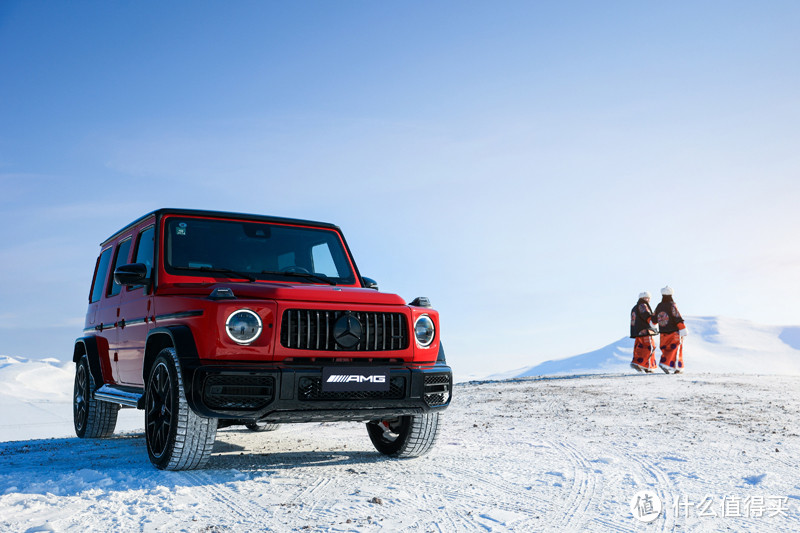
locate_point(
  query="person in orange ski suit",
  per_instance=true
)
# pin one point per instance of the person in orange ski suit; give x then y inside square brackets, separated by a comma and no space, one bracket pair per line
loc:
[644,349]
[673,330]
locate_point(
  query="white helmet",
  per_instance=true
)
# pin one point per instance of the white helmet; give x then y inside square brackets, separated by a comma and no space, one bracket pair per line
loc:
[667,291]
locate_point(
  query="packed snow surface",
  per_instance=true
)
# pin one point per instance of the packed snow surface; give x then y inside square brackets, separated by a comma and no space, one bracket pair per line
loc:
[544,454]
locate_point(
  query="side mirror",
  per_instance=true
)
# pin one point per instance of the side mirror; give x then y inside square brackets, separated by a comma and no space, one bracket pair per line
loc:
[370,283]
[133,274]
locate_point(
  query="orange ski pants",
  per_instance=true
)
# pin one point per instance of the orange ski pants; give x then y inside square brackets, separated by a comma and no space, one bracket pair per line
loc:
[644,352]
[672,350]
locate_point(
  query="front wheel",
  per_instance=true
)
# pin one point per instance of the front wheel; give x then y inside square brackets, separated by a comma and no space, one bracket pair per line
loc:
[405,436]
[92,418]
[177,437]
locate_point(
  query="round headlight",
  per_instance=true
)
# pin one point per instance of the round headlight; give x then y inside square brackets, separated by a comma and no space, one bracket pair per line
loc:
[243,326]
[424,330]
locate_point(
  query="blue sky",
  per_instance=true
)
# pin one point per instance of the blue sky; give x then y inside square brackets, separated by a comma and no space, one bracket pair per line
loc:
[530,167]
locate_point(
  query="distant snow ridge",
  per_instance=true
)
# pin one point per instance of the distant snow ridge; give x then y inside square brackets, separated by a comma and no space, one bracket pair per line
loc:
[36,400]
[23,378]
[714,344]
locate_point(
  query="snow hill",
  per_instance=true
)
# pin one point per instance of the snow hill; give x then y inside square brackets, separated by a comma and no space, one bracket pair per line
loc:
[33,397]
[714,344]
[36,400]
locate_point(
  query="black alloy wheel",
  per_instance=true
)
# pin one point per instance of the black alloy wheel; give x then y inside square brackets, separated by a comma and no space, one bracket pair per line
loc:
[81,392]
[92,418]
[159,410]
[177,437]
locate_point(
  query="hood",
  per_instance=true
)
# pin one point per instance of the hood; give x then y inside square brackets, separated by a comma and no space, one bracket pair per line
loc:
[290,292]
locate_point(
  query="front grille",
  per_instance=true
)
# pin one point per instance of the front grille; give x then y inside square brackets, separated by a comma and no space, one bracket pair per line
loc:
[310,329]
[437,389]
[310,389]
[238,392]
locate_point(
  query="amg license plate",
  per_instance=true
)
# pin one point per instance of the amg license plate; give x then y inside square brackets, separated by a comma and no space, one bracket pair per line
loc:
[355,379]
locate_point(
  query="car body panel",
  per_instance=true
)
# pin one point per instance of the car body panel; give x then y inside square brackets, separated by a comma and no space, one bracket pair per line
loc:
[188,311]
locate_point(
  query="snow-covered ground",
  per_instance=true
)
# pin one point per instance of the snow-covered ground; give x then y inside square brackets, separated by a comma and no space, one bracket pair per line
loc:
[719,446]
[549,454]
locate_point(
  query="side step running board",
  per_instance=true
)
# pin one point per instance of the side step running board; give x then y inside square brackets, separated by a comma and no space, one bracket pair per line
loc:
[128,398]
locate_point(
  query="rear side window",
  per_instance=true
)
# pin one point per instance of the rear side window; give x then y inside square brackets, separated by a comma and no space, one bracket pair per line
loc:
[144,249]
[121,259]
[100,274]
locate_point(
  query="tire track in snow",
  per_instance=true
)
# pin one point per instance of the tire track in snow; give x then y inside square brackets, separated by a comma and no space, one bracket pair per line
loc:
[306,500]
[661,483]
[612,525]
[495,493]
[449,523]
[210,489]
[582,490]
[507,488]
[468,500]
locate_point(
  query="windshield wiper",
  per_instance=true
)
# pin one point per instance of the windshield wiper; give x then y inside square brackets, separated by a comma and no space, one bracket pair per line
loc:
[306,275]
[245,275]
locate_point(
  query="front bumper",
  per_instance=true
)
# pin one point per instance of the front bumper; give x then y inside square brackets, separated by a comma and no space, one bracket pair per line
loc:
[279,393]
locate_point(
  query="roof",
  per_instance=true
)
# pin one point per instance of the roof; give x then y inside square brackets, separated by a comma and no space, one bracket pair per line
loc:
[221,214]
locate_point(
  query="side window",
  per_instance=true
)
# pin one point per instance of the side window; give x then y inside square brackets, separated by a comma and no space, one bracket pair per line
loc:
[145,249]
[100,273]
[120,259]
[323,260]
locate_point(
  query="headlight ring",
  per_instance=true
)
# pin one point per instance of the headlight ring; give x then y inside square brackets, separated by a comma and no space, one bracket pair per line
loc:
[424,331]
[243,326]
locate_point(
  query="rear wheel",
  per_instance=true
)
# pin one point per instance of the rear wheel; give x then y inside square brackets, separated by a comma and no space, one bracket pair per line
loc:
[405,436]
[92,418]
[177,437]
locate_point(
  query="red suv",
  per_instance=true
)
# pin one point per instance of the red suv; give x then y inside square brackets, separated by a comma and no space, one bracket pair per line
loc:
[206,319]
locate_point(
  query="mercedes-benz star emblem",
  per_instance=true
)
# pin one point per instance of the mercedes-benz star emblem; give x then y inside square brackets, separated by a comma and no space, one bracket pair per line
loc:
[347,331]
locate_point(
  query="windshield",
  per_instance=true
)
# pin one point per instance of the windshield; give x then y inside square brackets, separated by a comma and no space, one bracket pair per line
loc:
[255,250]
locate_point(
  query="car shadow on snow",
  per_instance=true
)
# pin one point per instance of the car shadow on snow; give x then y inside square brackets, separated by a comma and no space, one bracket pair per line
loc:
[249,461]
[73,453]
[72,466]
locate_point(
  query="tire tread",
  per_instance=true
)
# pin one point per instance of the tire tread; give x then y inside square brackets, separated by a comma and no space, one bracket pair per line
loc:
[194,434]
[423,433]
[416,437]
[101,417]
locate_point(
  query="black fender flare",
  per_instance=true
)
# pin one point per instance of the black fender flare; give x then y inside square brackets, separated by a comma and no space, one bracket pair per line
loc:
[88,346]
[179,337]
[441,358]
